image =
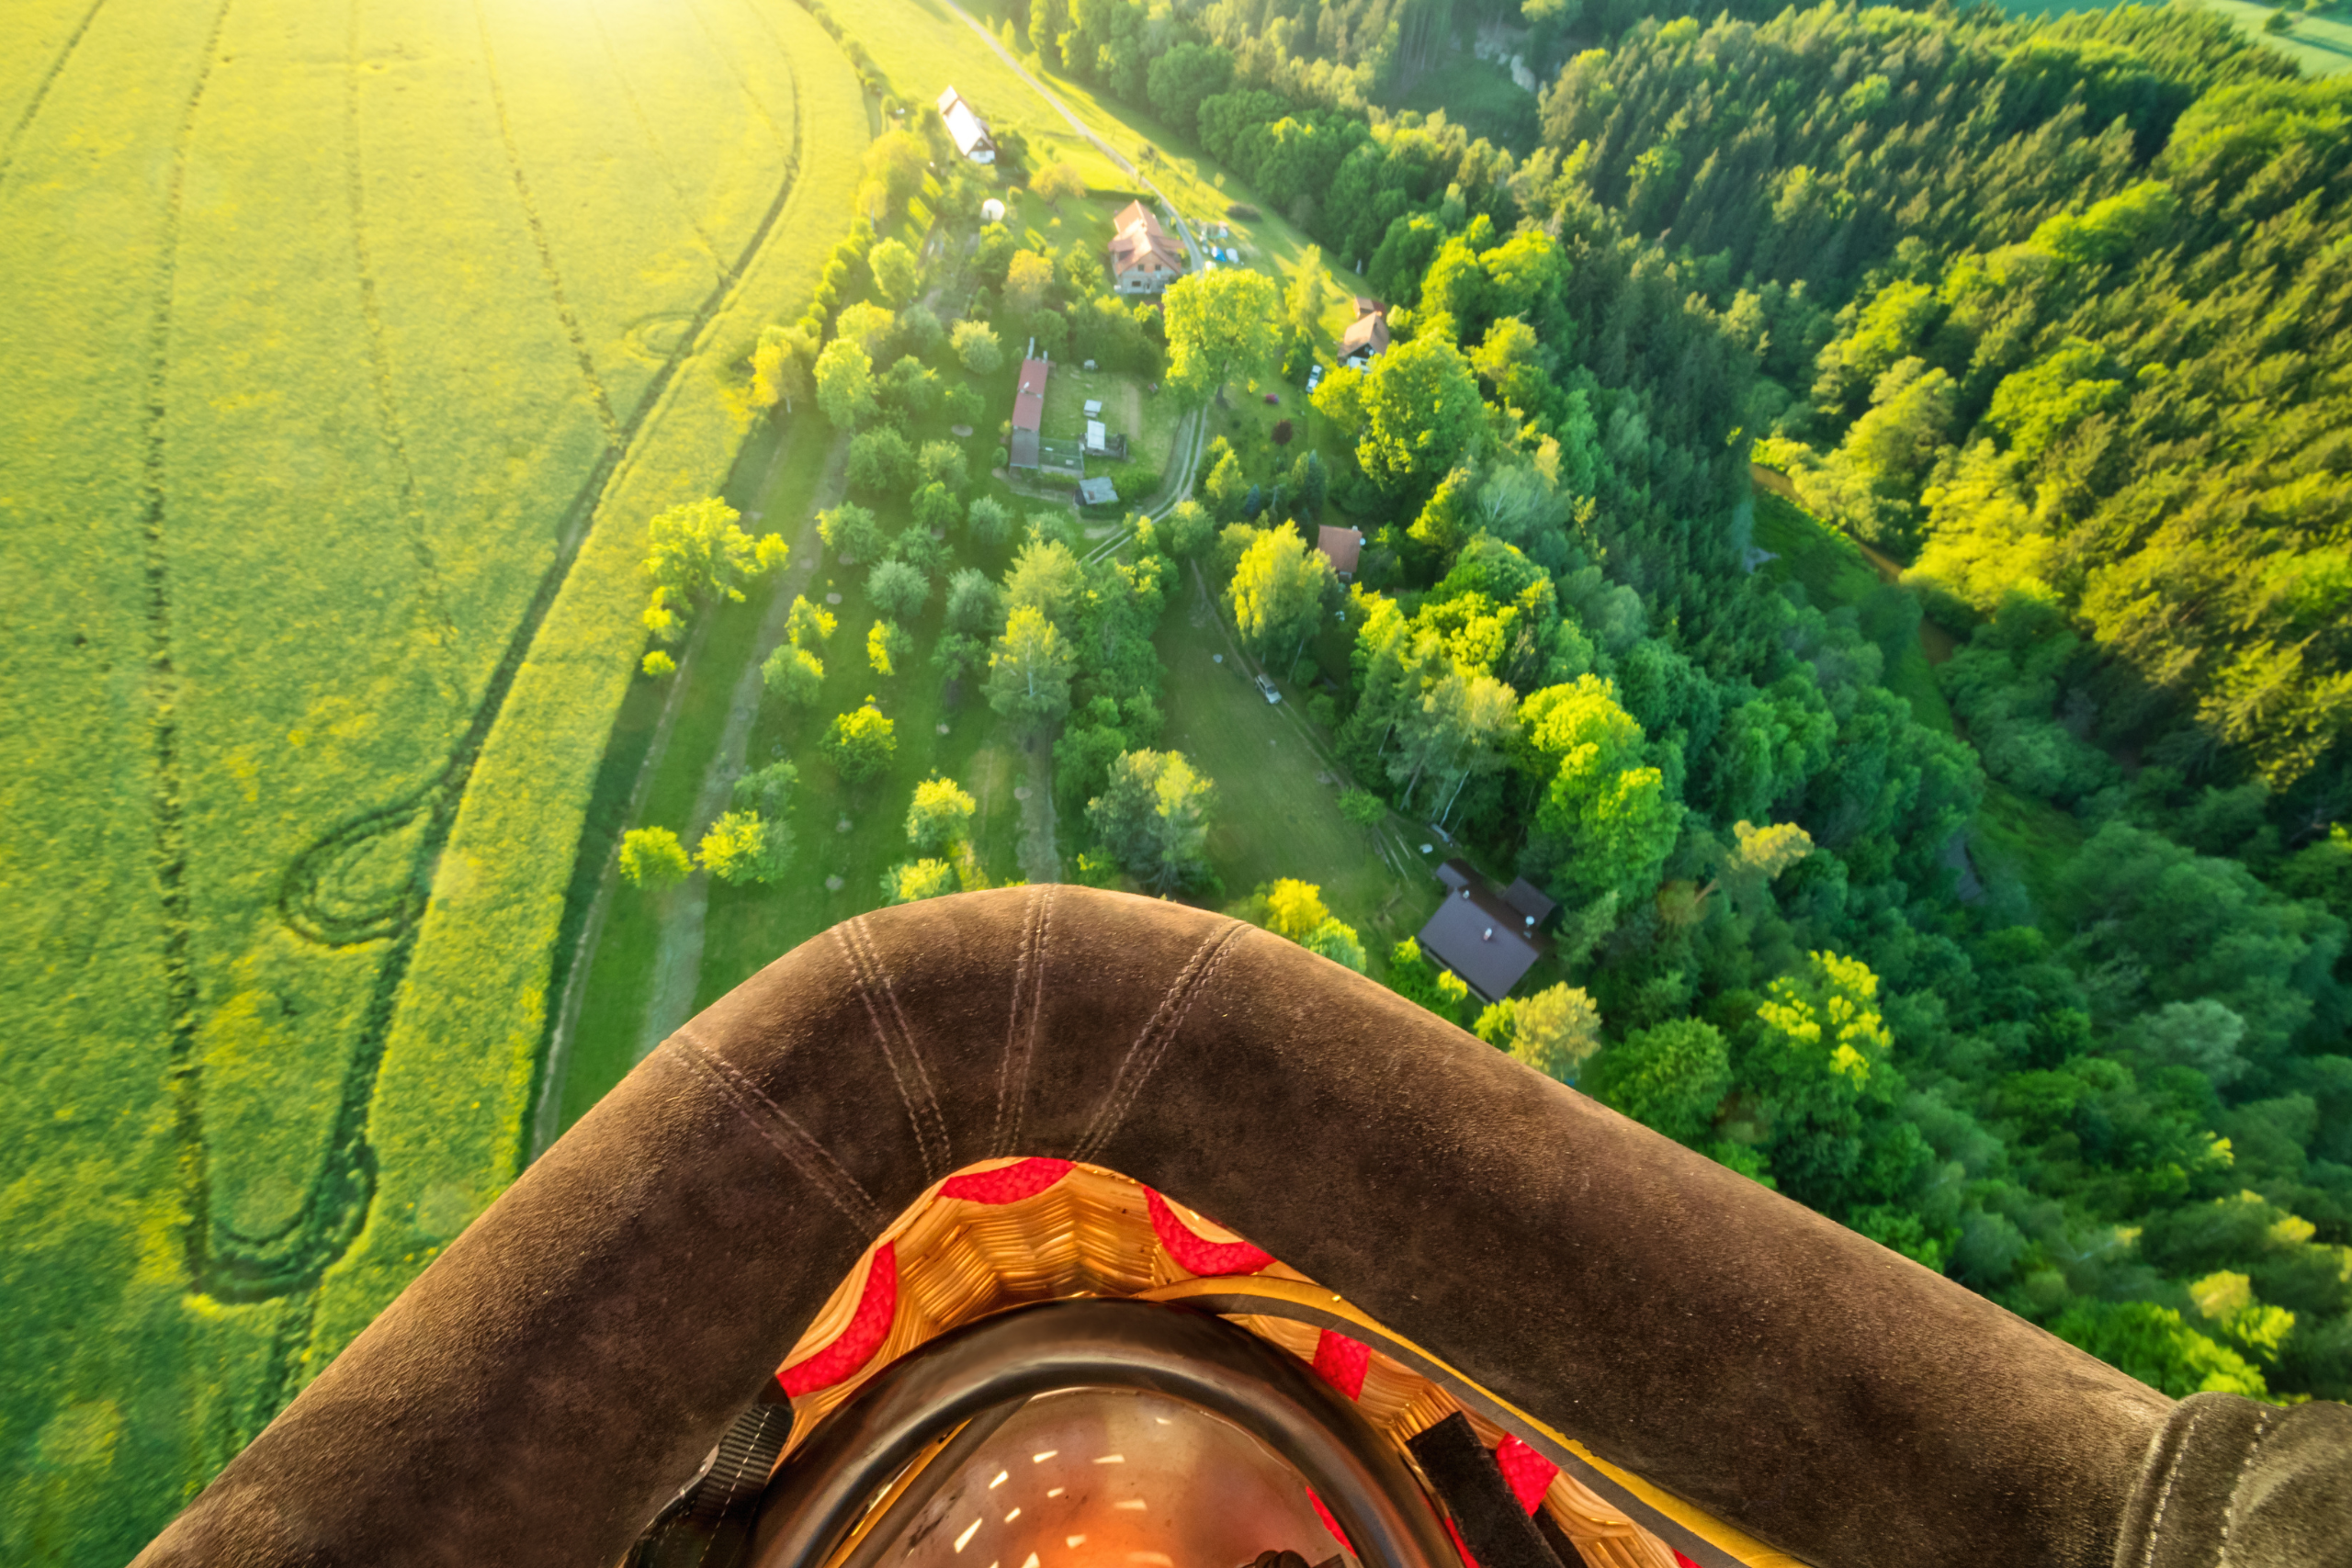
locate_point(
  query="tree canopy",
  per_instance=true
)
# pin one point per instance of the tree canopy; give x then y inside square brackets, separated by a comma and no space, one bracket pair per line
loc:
[1221,327]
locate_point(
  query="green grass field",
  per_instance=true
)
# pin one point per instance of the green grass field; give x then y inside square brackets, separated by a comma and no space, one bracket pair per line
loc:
[2321,42]
[350,350]
[1837,573]
[1277,789]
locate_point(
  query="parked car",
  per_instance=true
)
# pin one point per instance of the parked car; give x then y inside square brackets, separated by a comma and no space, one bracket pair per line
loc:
[1267,686]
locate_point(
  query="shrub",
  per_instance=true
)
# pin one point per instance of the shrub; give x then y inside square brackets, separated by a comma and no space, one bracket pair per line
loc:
[657,663]
[1242,210]
[652,858]
[910,881]
[1135,481]
[880,461]
[899,590]
[1282,433]
[860,744]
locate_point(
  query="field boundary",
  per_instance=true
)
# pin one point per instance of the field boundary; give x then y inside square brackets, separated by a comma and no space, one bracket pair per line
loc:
[465,1049]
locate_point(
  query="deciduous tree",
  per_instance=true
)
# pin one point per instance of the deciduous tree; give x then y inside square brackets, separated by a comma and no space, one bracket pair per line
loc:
[888,648]
[1222,326]
[976,345]
[940,816]
[895,274]
[1555,1031]
[974,603]
[1028,282]
[1046,577]
[1055,181]
[1421,415]
[652,858]
[897,589]
[1153,815]
[1278,593]
[861,743]
[1029,671]
[806,625]
[794,674]
[911,881]
[697,556]
[846,384]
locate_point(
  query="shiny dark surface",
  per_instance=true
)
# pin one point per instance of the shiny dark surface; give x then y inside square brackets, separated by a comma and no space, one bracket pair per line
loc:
[1187,1357]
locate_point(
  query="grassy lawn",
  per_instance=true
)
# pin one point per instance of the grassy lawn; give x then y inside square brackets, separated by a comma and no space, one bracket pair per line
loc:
[923,47]
[2022,842]
[779,484]
[1837,574]
[1479,95]
[2320,43]
[1277,812]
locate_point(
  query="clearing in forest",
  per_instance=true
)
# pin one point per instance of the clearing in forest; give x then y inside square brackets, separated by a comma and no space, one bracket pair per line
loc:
[351,347]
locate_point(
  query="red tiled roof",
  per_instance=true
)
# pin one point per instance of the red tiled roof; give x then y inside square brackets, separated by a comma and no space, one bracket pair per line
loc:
[1029,402]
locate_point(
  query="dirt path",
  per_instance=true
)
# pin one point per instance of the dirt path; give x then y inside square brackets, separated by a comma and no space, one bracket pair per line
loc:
[677,964]
[1040,860]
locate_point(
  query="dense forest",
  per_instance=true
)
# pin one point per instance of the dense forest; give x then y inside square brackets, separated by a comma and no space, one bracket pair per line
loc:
[2053,313]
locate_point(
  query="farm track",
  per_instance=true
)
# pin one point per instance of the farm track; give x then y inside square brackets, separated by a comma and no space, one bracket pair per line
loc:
[292,1259]
[47,79]
[379,363]
[162,688]
[613,434]
[653,143]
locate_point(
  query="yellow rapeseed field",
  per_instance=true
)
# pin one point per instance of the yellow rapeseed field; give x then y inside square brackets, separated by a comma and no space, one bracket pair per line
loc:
[349,346]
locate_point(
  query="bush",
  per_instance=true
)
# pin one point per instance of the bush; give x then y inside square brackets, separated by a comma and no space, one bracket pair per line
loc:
[1242,210]
[880,461]
[652,858]
[1282,433]
[1135,481]
[657,663]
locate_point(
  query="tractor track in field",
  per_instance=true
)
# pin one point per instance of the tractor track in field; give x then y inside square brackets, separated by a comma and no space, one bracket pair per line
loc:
[291,1260]
[727,57]
[653,143]
[185,1065]
[41,94]
[380,364]
[614,436]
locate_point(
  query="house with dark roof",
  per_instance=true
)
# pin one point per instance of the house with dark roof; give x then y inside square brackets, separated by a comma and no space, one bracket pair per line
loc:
[1143,260]
[1489,939]
[966,129]
[1366,336]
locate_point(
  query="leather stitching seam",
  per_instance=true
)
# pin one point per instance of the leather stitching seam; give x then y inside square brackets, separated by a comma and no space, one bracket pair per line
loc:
[1152,1042]
[2262,1423]
[920,1102]
[800,1150]
[2172,1473]
[1021,1023]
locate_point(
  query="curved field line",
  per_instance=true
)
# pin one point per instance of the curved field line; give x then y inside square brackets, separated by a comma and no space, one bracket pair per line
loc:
[727,58]
[613,434]
[437,602]
[652,142]
[162,688]
[47,79]
[333,1210]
